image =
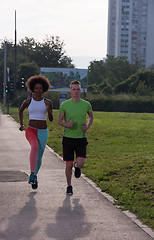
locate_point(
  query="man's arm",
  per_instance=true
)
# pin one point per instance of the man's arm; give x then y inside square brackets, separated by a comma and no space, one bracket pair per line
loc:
[90,121]
[62,123]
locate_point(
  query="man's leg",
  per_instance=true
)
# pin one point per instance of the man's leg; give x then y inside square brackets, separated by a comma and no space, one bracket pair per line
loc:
[68,172]
[80,162]
[78,165]
[80,156]
[68,157]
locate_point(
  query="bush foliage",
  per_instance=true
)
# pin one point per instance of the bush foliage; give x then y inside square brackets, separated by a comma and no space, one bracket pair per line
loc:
[103,102]
[122,103]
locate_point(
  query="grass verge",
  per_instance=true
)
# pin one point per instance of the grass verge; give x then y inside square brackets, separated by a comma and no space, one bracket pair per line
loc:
[120,157]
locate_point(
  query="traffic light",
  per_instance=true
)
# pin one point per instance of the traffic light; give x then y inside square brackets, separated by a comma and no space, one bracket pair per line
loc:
[11,86]
[22,84]
[6,89]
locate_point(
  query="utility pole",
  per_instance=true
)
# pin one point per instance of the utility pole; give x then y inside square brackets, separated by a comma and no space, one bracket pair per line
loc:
[8,89]
[15,59]
[5,64]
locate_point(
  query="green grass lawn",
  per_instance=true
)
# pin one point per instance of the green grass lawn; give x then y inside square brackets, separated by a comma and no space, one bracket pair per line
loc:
[120,157]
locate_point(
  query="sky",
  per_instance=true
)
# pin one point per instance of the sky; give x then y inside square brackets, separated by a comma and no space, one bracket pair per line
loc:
[81,24]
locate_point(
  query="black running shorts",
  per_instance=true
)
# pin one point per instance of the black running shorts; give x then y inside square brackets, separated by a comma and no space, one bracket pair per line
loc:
[74,145]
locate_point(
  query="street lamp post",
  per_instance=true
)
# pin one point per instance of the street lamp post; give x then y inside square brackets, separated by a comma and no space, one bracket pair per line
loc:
[5,64]
[8,92]
[15,58]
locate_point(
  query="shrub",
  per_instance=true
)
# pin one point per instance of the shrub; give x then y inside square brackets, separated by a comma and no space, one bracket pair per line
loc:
[107,90]
[92,88]
[144,90]
[123,87]
[122,103]
[53,96]
[102,85]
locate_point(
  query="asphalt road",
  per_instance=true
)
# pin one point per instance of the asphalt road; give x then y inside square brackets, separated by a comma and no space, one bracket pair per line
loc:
[47,213]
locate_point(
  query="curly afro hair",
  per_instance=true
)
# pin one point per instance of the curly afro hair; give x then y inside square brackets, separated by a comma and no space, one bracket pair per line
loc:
[38,79]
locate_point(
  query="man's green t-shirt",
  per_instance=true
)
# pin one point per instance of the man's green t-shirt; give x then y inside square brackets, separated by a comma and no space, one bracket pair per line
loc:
[77,112]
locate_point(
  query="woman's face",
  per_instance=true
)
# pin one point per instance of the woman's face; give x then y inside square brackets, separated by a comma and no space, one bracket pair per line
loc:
[38,89]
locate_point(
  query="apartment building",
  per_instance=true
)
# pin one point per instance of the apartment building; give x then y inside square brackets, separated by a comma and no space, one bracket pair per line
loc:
[131,30]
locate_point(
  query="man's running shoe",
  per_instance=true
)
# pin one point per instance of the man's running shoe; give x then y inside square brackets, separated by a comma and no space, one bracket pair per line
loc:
[77,171]
[69,190]
[31,178]
[35,183]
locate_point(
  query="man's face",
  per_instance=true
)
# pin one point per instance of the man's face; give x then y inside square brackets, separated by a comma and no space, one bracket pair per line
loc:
[75,90]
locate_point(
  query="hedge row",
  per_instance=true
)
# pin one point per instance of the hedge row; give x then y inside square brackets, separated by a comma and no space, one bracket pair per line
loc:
[137,105]
[100,102]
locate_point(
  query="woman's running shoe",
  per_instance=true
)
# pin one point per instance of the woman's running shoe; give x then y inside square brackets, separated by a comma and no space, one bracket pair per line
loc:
[31,178]
[35,183]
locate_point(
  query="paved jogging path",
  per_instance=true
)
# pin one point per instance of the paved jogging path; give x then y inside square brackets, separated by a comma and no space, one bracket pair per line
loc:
[47,213]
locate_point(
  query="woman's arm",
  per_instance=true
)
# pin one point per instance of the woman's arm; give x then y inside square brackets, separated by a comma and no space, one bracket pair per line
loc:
[49,107]
[24,105]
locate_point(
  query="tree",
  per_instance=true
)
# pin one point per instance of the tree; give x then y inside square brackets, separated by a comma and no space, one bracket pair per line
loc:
[96,72]
[142,81]
[118,69]
[113,70]
[143,78]
[26,70]
[26,50]
[151,67]
[108,90]
[49,53]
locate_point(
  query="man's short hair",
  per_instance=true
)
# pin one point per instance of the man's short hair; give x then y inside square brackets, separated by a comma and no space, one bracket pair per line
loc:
[75,82]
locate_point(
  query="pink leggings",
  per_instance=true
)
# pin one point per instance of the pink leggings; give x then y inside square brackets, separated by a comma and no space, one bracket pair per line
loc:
[37,139]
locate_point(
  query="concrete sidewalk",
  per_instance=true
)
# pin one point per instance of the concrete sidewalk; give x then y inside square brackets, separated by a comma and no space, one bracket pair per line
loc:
[47,213]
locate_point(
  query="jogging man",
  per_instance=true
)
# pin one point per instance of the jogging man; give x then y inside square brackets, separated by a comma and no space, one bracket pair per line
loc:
[72,117]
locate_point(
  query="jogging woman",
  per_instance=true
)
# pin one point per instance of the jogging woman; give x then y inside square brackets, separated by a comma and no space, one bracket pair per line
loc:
[36,131]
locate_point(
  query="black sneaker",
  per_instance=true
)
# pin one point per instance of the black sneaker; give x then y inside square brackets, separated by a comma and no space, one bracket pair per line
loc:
[69,190]
[35,183]
[77,171]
